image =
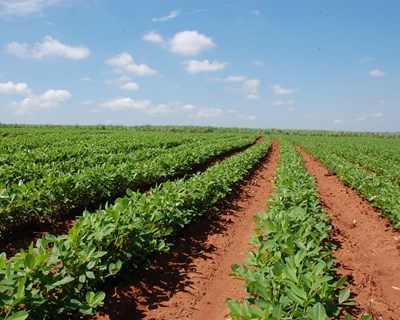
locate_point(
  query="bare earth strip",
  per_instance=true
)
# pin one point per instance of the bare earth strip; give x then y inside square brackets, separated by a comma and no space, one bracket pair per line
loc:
[368,248]
[192,281]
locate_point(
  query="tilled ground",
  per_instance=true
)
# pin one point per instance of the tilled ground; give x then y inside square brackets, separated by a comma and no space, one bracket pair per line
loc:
[368,248]
[192,281]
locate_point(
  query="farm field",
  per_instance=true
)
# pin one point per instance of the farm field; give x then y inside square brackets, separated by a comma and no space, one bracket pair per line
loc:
[179,201]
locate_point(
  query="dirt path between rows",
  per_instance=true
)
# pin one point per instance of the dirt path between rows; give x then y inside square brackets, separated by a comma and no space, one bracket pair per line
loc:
[192,281]
[368,248]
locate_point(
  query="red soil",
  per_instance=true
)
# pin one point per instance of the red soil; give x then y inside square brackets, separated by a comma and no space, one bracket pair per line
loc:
[368,248]
[192,281]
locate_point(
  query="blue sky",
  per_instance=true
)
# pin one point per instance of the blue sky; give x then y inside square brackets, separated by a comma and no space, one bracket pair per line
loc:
[298,64]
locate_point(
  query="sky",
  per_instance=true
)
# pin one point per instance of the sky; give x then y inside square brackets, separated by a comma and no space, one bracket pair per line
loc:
[286,64]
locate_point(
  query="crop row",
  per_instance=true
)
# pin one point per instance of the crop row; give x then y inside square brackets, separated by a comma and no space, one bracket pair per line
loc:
[380,191]
[58,190]
[61,275]
[290,273]
[381,156]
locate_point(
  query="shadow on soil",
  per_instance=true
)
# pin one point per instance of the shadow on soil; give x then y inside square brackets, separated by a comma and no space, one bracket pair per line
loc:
[135,291]
[168,273]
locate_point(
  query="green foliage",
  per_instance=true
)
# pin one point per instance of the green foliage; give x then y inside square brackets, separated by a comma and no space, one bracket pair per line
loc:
[46,172]
[290,272]
[60,275]
[369,165]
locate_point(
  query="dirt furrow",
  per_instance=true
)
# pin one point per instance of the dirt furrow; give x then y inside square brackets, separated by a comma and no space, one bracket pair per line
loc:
[192,281]
[368,248]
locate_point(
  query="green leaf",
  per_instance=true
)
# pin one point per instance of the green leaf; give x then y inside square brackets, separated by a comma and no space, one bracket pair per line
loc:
[235,308]
[366,317]
[317,312]
[344,295]
[29,261]
[63,281]
[20,315]
[95,300]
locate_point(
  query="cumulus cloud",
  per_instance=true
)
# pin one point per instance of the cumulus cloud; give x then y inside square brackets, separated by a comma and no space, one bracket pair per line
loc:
[124,63]
[147,107]
[11,87]
[195,66]
[170,16]
[186,43]
[250,86]
[31,102]
[230,79]
[130,86]
[338,121]
[376,73]
[24,7]
[153,36]
[49,47]
[208,112]
[188,107]
[126,103]
[50,99]
[190,43]
[278,89]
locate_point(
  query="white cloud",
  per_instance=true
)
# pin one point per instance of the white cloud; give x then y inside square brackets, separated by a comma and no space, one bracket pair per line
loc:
[18,49]
[123,63]
[153,36]
[195,66]
[11,87]
[123,79]
[376,73]
[186,43]
[87,79]
[24,7]
[130,86]
[31,102]
[278,89]
[188,107]
[208,112]
[50,99]
[338,121]
[170,16]
[126,103]
[190,43]
[49,47]
[371,115]
[147,107]
[282,103]
[144,106]
[381,102]
[230,79]
[249,86]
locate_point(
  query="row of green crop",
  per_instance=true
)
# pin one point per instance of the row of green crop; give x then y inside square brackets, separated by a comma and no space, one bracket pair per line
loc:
[381,156]
[379,190]
[290,273]
[61,275]
[60,191]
